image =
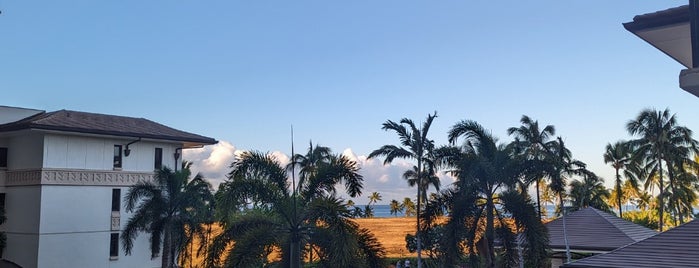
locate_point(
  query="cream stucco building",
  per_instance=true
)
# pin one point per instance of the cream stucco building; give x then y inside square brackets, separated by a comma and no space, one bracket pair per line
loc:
[63,176]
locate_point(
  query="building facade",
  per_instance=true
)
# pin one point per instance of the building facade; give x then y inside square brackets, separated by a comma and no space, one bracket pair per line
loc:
[63,176]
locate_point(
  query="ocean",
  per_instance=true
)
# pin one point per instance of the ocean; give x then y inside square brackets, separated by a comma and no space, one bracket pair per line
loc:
[384,211]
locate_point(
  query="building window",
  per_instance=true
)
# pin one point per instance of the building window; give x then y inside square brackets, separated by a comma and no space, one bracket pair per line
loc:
[158,158]
[114,246]
[116,199]
[3,157]
[117,156]
[2,201]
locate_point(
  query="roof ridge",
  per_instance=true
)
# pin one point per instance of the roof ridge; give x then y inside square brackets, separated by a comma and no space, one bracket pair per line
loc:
[622,224]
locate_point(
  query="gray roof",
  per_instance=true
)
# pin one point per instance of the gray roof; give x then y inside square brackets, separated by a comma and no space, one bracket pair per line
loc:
[661,18]
[590,229]
[102,124]
[678,247]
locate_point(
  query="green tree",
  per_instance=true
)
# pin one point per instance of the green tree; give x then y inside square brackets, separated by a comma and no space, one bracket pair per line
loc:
[619,156]
[414,144]
[590,192]
[660,138]
[309,218]
[168,208]
[561,167]
[374,197]
[396,207]
[409,205]
[486,190]
[530,142]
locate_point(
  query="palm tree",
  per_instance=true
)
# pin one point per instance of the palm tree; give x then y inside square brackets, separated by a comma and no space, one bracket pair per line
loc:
[531,141]
[169,209]
[428,177]
[414,144]
[562,166]
[396,207]
[374,197]
[409,205]
[309,217]
[590,192]
[659,139]
[486,190]
[619,156]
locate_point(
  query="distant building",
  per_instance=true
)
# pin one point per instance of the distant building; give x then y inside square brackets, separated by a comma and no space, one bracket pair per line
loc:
[592,231]
[63,176]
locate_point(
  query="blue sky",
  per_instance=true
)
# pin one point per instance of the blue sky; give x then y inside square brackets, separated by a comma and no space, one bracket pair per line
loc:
[244,71]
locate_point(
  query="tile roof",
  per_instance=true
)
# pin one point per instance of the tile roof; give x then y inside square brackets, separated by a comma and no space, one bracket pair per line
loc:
[661,18]
[102,124]
[591,229]
[678,247]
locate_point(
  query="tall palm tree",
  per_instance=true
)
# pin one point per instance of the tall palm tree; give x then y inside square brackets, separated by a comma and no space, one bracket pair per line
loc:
[531,142]
[307,219]
[414,144]
[659,139]
[619,156]
[562,167]
[487,181]
[396,207]
[169,209]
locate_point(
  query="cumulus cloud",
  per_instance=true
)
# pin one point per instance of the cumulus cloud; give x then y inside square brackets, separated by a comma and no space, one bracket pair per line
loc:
[214,161]
[387,180]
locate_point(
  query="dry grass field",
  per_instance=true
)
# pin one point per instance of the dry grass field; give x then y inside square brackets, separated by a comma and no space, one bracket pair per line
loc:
[391,233]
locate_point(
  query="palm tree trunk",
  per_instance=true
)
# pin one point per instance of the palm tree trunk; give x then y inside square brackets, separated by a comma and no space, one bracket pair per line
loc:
[167,241]
[295,257]
[565,231]
[538,199]
[618,190]
[661,207]
[417,235]
[490,232]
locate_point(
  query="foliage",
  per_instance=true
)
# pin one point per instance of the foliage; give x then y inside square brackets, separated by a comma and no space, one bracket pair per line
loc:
[414,144]
[263,214]
[396,207]
[483,197]
[531,142]
[661,140]
[590,192]
[170,209]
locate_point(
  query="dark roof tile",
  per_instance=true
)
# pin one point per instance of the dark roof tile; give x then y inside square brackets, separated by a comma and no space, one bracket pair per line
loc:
[591,229]
[102,124]
[678,248]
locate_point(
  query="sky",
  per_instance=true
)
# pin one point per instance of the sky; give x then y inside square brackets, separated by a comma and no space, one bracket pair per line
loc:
[244,72]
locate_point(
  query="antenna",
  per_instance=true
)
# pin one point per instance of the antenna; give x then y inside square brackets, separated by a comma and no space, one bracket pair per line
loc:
[293,166]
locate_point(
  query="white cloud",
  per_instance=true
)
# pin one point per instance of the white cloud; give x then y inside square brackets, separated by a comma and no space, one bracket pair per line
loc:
[214,161]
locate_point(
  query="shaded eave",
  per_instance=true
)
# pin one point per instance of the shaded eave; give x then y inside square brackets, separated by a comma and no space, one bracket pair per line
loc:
[667,31]
[189,142]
